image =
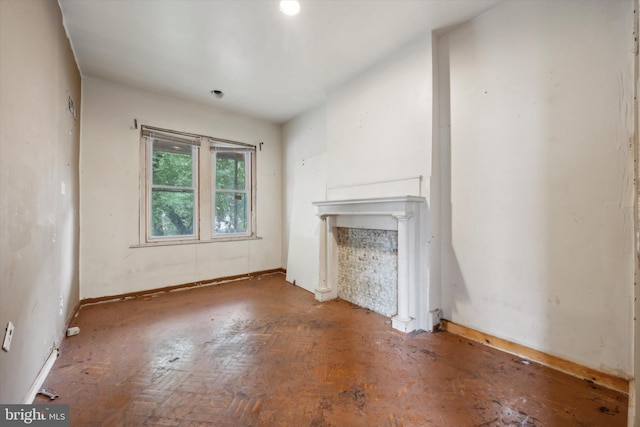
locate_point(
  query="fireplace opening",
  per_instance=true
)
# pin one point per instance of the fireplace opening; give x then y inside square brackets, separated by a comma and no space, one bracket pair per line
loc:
[368,268]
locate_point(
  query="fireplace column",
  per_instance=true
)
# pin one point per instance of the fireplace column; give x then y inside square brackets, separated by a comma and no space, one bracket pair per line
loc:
[327,287]
[403,321]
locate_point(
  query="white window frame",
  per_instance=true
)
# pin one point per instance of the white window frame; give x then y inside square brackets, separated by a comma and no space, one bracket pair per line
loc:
[203,186]
[195,154]
[249,153]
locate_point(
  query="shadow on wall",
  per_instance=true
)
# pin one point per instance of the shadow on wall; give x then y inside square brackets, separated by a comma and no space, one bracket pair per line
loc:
[536,178]
[446,272]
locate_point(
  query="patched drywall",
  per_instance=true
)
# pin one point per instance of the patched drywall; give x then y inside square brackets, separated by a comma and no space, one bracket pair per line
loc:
[110,262]
[540,247]
[39,144]
[368,268]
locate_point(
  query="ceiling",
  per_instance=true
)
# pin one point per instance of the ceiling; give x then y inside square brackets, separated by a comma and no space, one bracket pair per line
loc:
[268,65]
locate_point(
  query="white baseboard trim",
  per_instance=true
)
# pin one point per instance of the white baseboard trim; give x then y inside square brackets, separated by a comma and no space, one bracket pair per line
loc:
[42,375]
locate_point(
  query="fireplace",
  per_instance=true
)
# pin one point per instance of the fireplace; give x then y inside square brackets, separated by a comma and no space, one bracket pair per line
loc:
[404,215]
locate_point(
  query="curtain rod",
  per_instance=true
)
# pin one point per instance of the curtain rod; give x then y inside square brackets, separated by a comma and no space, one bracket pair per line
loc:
[195,135]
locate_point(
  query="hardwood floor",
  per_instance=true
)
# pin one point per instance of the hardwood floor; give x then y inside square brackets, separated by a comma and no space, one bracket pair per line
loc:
[262,352]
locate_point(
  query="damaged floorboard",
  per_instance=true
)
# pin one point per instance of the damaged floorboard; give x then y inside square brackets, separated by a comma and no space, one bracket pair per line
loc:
[261,352]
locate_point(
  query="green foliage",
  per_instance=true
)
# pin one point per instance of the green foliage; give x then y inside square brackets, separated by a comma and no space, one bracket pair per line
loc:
[231,212]
[173,198]
[172,212]
[230,171]
[172,166]
[230,206]
[172,209]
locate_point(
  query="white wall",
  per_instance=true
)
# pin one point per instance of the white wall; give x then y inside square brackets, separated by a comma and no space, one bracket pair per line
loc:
[379,127]
[39,145]
[110,194]
[372,129]
[303,137]
[542,179]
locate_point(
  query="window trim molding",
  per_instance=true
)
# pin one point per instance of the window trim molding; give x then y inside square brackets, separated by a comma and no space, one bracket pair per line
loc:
[204,231]
[251,190]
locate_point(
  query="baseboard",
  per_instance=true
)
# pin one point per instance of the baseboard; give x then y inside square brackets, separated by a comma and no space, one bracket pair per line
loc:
[87,301]
[589,374]
[42,376]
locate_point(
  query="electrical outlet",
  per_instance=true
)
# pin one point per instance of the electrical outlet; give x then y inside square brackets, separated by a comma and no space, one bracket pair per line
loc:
[8,335]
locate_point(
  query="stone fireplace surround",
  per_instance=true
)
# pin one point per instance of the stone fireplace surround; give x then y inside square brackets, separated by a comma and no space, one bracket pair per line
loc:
[407,215]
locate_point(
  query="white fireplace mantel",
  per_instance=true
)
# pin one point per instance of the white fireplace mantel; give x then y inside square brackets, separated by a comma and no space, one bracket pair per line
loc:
[407,215]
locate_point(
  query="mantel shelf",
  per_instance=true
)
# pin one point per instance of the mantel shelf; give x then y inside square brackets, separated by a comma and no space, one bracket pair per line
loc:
[381,206]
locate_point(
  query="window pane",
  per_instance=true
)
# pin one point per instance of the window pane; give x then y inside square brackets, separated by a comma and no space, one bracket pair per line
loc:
[171,212]
[172,164]
[230,171]
[231,213]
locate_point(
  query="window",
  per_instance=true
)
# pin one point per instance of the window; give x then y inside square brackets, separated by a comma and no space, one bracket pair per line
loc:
[232,184]
[181,203]
[173,189]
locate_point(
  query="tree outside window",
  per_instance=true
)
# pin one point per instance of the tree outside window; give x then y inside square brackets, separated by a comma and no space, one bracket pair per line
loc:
[231,207]
[173,195]
[177,207]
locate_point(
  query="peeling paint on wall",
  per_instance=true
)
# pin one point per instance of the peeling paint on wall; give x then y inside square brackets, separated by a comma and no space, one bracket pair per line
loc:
[39,191]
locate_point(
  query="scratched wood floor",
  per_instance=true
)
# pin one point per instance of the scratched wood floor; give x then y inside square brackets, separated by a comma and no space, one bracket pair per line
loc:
[262,352]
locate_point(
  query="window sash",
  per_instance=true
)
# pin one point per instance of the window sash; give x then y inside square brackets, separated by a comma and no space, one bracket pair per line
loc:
[155,189]
[248,197]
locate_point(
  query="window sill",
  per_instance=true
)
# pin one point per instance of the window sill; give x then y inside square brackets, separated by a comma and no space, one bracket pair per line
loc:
[194,242]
